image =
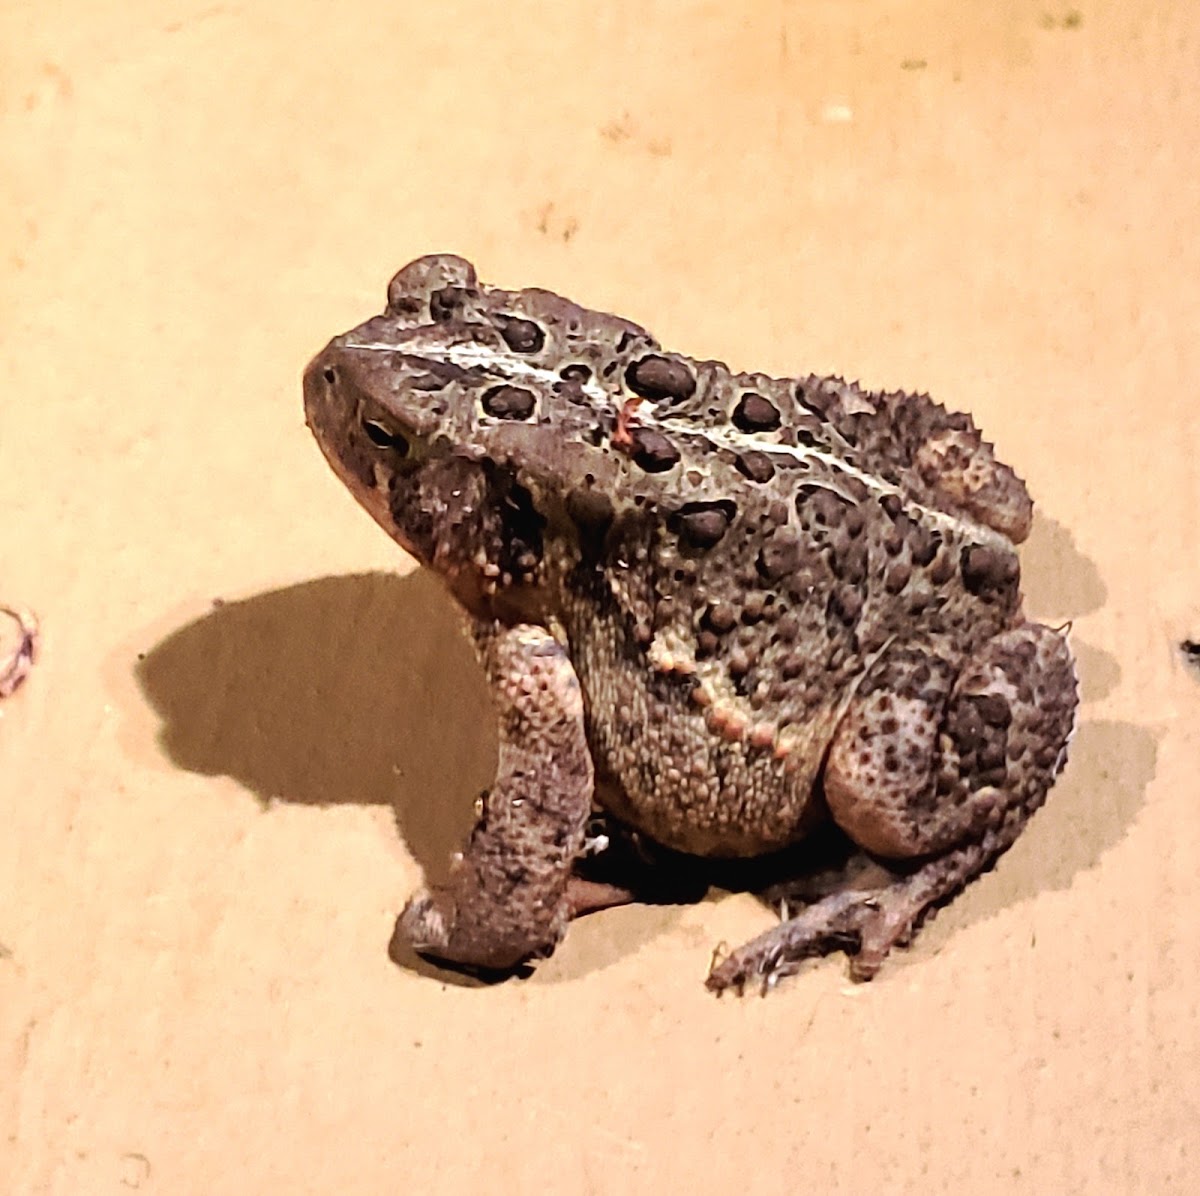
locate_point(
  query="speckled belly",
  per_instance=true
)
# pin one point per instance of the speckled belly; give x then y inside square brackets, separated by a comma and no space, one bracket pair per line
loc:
[661,769]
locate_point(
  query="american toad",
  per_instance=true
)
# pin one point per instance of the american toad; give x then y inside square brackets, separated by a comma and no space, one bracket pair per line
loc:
[727,607]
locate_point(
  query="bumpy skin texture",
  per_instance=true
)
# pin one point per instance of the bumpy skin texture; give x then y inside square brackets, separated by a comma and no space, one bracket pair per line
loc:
[508,895]
[751,603]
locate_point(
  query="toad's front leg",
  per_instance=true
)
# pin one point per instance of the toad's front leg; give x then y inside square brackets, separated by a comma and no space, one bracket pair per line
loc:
[510,893]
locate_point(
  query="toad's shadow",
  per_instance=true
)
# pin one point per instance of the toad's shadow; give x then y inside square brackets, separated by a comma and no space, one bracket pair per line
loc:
[363,689]
[360,689]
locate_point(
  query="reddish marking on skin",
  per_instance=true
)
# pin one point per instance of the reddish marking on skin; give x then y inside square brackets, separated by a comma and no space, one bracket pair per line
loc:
[622,436]
[734,729]
[727,722]
[762,735]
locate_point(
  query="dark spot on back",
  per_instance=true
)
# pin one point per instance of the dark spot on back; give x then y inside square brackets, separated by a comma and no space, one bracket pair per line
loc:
[520,335]
[575,372]
[702,524]
[657,377]
[988,569]
[755,414]
[652,450]
[779,556]
[755,465]
[509,402]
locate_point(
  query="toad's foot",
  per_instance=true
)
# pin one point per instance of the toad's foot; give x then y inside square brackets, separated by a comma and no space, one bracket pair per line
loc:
[865,922]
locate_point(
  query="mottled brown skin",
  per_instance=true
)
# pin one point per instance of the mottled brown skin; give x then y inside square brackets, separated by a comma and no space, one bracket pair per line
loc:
[746,604]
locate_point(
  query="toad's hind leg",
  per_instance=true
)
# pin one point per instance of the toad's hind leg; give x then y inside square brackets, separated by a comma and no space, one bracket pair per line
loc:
[510,893]
[939,772]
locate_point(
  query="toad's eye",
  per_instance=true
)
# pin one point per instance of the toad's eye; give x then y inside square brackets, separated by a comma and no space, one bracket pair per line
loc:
[384,437]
